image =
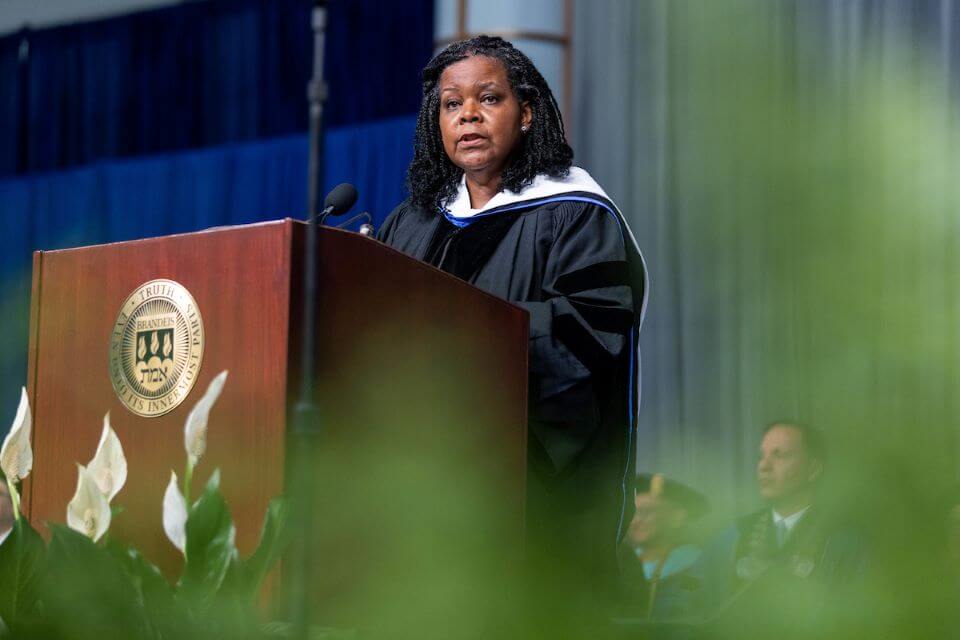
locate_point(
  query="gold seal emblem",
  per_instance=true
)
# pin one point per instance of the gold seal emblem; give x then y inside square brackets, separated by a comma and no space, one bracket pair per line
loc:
[156,348]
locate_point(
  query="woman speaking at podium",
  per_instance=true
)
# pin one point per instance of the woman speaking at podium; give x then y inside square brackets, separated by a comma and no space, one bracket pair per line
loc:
[495,201]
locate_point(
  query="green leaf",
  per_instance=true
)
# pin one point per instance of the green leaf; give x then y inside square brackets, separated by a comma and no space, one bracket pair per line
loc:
[167,618]
[242,584]
[211,547]
[86,591]
[273,541]
[22,557]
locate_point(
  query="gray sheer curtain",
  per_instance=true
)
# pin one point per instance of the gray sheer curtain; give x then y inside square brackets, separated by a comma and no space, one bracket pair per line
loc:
[786,167]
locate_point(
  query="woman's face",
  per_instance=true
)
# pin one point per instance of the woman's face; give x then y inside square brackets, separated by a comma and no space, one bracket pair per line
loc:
[480,117]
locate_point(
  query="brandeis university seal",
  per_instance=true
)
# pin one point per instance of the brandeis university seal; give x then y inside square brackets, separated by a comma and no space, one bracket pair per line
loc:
[156,348]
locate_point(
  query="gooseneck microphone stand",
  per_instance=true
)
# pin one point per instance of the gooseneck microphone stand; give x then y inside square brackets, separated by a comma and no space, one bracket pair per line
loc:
[306,415]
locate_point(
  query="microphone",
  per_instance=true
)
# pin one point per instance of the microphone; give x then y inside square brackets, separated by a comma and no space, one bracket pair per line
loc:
[366,229]
[338,201]
[364,215]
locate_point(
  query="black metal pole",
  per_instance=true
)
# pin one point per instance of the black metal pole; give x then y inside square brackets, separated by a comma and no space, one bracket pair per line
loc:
[306,418]
[316,95]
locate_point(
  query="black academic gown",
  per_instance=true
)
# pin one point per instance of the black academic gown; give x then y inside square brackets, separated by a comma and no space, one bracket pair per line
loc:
[570,262]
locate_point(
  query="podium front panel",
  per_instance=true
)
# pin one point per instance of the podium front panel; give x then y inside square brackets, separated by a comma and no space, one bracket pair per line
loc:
[239,278]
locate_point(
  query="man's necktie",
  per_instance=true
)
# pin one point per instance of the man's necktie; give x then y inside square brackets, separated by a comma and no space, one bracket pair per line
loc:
[782,533]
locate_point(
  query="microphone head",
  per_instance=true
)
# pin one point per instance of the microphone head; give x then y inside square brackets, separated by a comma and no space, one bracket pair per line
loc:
[340,199]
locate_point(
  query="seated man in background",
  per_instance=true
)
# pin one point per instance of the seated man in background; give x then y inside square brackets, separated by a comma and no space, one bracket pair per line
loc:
[779,567]
[659,548]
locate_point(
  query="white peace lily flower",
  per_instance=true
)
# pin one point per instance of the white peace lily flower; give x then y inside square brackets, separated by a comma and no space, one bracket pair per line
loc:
[195,430]
[16,456]
[175,514]
[88,512]
[109,466]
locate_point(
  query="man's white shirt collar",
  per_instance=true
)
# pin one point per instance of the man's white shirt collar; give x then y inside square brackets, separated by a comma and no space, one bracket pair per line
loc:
[790,521]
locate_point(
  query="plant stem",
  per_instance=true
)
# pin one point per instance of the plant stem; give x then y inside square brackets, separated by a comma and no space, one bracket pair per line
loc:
[187,477]
[14,499]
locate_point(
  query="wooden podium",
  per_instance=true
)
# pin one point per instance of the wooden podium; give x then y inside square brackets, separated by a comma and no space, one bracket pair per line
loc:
[418,371]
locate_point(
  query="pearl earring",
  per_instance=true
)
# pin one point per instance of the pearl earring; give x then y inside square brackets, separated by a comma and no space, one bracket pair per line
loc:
[524,128]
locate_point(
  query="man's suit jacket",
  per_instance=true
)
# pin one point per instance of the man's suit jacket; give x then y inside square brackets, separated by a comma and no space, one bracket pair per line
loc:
[745,581]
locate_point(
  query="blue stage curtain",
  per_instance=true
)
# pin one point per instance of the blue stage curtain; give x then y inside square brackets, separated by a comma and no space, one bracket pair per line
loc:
[10,104]
[174,193]
[201,74]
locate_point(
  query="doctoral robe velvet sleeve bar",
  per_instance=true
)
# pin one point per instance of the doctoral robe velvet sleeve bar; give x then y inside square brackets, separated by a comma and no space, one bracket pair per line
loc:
[579,330]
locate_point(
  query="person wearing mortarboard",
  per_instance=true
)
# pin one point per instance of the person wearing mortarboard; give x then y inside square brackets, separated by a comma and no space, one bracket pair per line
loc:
[659,548]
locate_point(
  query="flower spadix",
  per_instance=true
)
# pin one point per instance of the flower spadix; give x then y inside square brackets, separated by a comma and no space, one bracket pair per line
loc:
[109,466]
[175,514]
[195,430]
[16,456]
[88,512]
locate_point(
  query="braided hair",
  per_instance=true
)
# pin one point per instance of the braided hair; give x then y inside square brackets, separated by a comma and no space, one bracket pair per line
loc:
[432,178]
